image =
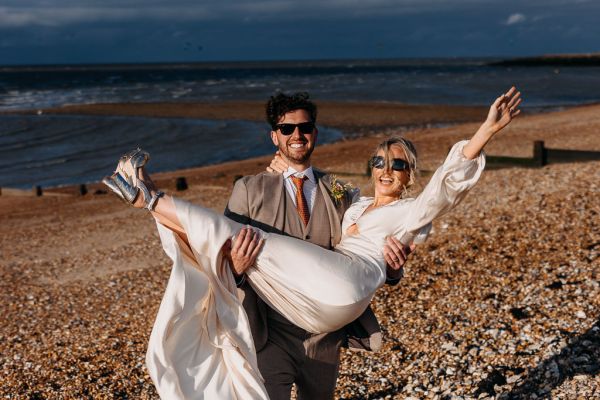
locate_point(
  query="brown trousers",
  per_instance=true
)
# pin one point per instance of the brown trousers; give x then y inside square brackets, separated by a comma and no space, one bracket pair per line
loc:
[293,355]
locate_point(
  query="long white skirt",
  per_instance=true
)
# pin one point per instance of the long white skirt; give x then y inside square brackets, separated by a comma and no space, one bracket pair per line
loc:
[201,346]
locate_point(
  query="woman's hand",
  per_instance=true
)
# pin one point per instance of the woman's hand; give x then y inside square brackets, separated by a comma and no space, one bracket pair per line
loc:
[278,165]
[504,109]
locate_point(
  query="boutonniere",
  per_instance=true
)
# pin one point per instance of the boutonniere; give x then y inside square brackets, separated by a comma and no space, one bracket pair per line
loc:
[338,190]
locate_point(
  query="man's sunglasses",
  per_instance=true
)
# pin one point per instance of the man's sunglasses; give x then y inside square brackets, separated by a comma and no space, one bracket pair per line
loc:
[304,127]
[398,164]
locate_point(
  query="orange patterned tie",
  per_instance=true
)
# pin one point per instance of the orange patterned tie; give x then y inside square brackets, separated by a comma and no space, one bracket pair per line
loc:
[301,204]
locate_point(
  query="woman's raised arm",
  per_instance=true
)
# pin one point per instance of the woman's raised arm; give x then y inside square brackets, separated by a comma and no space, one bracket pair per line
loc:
[504,109]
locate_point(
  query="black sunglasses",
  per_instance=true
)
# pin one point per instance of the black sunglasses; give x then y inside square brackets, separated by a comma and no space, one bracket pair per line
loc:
[398,164]
[304,127]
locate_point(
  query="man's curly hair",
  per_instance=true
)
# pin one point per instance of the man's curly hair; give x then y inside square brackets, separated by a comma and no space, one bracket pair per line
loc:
[280,104]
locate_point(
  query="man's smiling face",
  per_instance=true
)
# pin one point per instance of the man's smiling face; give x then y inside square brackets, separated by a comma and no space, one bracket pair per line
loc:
[297,147]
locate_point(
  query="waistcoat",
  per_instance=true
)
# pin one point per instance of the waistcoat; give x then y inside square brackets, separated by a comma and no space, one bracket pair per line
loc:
[318,230]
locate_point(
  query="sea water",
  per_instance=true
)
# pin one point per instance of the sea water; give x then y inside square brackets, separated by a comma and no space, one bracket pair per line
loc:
[54,150]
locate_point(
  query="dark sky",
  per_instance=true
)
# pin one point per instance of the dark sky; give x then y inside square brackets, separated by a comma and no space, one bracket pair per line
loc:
[117,31]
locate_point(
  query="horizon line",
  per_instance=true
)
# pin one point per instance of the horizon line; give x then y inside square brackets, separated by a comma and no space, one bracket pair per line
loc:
[257,62]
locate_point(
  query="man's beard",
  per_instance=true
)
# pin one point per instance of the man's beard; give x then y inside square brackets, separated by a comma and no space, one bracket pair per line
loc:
[299,158]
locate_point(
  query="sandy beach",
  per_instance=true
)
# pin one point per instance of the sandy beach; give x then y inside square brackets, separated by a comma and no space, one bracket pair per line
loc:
[501,303]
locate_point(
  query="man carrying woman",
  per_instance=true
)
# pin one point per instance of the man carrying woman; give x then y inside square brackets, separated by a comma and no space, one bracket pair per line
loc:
[201,345]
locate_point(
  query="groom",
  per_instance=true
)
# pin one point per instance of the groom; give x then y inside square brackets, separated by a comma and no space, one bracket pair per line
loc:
[297,203]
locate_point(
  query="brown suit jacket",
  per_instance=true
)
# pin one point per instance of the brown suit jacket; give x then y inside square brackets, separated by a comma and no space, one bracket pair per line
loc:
[258,201]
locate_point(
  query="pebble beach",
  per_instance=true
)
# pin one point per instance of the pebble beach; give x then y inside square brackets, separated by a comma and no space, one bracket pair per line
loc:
[502,302]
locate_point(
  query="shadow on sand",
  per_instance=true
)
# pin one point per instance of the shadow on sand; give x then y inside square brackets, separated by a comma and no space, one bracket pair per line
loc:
[580,358]
[543,155]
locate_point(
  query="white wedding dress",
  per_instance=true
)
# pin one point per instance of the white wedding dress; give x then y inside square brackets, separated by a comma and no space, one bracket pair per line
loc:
[201,346]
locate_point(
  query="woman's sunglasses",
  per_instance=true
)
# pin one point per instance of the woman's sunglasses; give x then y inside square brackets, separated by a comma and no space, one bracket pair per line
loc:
[398,164]
[304,128]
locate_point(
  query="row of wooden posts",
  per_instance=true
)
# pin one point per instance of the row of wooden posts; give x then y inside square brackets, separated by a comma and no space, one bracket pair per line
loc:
[541,156]
[180,185]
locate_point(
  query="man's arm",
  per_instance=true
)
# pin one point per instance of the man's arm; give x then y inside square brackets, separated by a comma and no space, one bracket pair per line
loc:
[243,251]
[238,206]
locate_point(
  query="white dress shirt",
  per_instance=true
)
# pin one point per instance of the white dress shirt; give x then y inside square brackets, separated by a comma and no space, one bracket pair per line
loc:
[309,188]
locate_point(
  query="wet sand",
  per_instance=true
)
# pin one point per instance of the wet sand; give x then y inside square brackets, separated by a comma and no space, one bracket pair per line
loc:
[351,117]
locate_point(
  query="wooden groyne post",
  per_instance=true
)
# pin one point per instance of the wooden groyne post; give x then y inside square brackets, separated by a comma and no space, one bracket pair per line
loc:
[540,153]
[181,184]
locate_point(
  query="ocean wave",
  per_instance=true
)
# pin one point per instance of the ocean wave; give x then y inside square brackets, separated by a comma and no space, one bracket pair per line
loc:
[421,82]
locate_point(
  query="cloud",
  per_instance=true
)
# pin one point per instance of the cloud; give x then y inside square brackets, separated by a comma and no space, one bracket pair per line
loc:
[23,13]
[56,13]
[44,15]
[516,18]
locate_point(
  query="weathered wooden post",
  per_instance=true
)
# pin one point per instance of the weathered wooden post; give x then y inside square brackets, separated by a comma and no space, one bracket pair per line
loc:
[83,189]
[540,155]
[181,184]
[37,190]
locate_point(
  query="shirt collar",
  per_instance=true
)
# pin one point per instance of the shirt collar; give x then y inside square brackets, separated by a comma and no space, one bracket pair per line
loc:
[308,172]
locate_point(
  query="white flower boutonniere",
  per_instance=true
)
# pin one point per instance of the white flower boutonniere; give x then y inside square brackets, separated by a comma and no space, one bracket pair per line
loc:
[338,189]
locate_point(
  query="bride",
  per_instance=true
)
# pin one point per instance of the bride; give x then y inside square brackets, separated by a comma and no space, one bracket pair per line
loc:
[201,345]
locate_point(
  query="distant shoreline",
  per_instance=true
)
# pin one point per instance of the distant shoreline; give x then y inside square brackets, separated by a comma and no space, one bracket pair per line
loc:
[576,59]
[558,60]
[251,64]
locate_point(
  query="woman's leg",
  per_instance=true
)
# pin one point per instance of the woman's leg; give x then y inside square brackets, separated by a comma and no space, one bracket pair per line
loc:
[132,183]
[166,214]
[201,344]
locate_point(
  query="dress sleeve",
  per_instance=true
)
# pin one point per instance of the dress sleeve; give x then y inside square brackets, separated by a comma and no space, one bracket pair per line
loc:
[408,219]
[448,186]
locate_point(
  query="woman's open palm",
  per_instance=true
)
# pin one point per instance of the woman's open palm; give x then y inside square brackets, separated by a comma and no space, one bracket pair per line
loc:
[504,109]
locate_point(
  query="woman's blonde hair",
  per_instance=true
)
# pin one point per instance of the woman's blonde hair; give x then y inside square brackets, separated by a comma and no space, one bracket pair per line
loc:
[409,151]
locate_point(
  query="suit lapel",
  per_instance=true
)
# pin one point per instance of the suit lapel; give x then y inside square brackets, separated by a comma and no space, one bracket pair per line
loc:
[273,200]
[334,209]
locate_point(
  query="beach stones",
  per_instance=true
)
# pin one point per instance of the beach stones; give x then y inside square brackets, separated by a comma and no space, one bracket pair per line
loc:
[501,303]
